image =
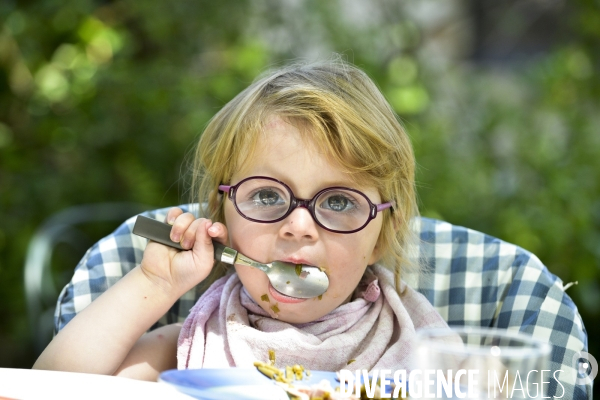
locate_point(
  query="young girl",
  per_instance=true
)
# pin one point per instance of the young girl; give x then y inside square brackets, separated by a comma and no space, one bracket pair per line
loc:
[322,134]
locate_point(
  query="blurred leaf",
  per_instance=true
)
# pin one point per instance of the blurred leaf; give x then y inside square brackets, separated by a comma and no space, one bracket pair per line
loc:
[408,99]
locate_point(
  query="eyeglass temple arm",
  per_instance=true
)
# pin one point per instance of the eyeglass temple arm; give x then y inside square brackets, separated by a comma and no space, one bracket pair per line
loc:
[383,206]
[224,188]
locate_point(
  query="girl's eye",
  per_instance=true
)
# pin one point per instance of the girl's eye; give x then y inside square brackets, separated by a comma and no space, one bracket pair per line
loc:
[338,203]
[267,197]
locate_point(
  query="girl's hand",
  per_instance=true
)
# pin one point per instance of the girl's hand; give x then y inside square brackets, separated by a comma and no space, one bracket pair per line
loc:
[177,271]
[100,338]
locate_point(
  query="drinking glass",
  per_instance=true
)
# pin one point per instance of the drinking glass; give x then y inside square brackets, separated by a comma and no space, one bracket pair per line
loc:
[479,363]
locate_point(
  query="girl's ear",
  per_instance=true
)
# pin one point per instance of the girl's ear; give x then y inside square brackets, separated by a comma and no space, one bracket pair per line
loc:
[220,196]
[395,222]
[215,192]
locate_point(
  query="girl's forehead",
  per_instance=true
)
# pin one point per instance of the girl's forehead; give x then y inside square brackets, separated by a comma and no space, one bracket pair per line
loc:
[286,145]
[259,165]
[283,145]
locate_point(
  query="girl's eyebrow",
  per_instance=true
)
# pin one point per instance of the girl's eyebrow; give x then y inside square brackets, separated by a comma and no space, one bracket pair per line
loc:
[347,183]
[269,171]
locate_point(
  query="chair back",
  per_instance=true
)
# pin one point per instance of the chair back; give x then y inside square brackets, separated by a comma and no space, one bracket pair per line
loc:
[64,238]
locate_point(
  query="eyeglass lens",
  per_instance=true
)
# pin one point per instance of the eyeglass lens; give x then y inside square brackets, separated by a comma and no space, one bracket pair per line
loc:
[337,209]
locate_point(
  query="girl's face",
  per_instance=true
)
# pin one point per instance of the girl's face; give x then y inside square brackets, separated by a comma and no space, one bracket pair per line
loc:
[284,155]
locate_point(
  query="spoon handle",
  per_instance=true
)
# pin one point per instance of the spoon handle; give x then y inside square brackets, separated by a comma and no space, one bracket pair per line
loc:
[160,232]
[224,254]
[155,230]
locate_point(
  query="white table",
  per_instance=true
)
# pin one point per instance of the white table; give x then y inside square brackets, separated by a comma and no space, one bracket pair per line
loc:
[47,385]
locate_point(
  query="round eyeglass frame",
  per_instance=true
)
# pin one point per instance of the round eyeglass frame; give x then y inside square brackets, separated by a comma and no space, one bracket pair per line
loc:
[309,204]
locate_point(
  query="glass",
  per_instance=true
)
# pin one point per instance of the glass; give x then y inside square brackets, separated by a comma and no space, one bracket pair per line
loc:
[495,363]
[336,209]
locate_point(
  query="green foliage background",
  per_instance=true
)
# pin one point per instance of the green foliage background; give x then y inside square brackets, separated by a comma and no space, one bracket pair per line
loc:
[100,101]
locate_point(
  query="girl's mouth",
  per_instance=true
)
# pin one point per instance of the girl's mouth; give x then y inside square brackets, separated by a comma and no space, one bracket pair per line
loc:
[282,298]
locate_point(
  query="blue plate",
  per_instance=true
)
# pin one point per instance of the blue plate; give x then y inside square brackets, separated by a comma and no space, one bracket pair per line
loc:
[235,383]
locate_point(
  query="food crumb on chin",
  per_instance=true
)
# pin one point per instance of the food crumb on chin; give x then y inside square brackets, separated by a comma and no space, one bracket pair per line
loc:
[265,297]
[274,311]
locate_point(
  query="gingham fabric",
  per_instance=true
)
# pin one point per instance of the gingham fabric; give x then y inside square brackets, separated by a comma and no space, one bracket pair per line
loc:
[474,280]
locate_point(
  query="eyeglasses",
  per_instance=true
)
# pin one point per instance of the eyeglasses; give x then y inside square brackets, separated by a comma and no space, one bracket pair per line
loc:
[336,209]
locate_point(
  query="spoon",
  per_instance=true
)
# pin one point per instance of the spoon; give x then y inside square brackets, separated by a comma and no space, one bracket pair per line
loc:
[294,280]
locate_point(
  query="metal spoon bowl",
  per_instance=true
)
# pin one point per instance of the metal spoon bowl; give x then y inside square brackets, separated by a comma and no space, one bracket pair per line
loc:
[294,280]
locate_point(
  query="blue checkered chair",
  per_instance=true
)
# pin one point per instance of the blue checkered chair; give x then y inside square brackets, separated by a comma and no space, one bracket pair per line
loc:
[473,280]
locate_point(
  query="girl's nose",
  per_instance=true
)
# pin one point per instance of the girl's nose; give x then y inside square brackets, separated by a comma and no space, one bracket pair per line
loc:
[300,225]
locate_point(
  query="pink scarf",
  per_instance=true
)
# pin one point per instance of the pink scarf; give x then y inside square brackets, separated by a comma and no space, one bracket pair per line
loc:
[376,330]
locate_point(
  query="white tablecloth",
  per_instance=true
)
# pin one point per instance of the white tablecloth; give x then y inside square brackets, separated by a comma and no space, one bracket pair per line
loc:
[47,385]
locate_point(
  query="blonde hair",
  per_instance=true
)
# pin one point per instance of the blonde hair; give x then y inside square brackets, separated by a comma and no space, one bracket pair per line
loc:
[341,111]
